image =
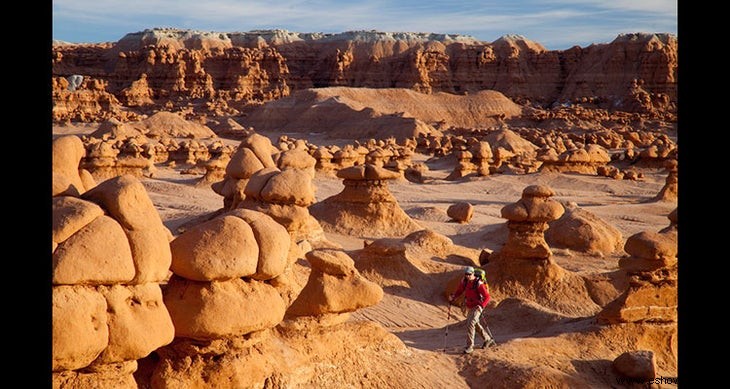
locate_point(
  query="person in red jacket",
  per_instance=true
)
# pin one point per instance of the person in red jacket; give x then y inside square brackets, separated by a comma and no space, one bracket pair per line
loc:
[476,297]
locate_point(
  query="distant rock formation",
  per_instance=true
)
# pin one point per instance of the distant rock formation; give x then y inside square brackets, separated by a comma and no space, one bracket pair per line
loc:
[636,72]
[67,177]
[88,102]
[472,162]
[253,154]
[365,207]
[652,267]
[511,153]
[169,124]
[670,190]
[584,160]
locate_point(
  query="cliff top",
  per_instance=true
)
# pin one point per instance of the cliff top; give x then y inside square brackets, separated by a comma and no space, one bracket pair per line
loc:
[280,36]
[643,37]
[182,38]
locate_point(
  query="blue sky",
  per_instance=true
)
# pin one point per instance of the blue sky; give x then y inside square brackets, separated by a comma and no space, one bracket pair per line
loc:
[556,24]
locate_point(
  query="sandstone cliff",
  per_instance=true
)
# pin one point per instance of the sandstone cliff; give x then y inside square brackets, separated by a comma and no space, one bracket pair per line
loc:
[635,72]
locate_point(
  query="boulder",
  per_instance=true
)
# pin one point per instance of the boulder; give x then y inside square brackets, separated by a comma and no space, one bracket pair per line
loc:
[220,309]
[273,241]
[291,186]
[243,164]
[138,322]
[334,286]
[583,231]
[637,365]
[98,253]
[70,214]
[651,245]
[126,200]
[80,331]
[261,147]
[258,181]
[461,212]
[224,248]
[66,154]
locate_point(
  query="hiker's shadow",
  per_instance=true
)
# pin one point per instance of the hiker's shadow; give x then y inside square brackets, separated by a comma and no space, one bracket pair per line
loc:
[450,341]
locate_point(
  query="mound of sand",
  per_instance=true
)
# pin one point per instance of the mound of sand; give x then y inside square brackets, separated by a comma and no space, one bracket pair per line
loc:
[511,141]
[172,125]
[113,128]
[379,113]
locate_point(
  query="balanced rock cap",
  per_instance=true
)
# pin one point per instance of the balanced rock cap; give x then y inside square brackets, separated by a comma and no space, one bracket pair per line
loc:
[537,191]
[367,172]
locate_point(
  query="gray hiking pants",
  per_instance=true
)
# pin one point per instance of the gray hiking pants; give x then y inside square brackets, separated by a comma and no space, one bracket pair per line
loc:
[472,324]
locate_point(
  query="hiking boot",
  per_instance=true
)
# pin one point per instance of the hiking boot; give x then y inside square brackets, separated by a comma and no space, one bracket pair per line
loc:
[468,350]
[489,343]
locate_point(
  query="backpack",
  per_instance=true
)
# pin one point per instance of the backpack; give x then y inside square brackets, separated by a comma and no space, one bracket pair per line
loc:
[481,277]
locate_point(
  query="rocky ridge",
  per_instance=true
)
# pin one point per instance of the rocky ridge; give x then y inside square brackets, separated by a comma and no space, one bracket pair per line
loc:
[170,67]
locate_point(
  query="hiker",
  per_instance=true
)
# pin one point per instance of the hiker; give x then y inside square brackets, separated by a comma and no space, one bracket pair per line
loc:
[476,297]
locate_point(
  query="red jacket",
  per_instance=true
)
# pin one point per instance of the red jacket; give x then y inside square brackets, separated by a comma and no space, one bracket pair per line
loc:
[473,294]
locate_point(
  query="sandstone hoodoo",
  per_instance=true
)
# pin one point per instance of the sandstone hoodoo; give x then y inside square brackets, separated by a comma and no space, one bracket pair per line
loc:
[670,191]
[253,154]
[524,265]
[585,160]
[365,207]
[110,254]
[472,162]
[218,265]
[227,295]
[334,287]
[652,267]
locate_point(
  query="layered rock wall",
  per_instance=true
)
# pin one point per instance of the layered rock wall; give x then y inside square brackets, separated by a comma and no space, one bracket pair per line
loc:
[635,72]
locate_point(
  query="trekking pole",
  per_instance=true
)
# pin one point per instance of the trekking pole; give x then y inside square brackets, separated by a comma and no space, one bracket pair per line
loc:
[448,318]
[486,327]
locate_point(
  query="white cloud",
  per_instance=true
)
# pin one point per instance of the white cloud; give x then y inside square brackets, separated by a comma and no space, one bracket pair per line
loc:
[545,21]
[666,7]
